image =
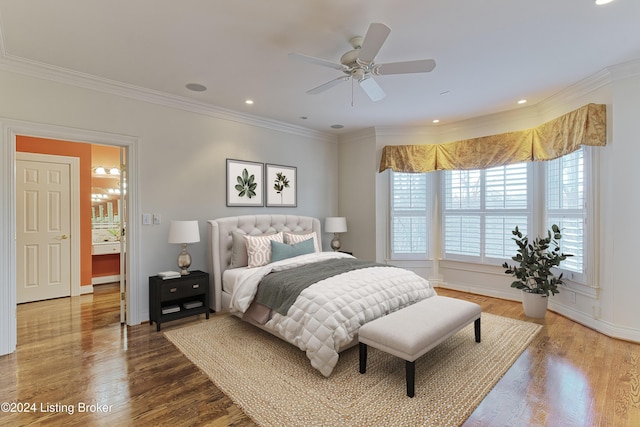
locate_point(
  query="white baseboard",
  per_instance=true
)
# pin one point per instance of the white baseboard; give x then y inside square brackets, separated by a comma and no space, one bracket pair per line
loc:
[607,328]
[105,279]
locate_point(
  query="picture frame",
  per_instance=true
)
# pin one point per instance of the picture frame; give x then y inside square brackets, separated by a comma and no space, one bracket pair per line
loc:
[245,185]
[281,185]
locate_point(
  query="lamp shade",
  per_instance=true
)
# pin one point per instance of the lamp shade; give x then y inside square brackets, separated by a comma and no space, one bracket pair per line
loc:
[335,224]
[184,232]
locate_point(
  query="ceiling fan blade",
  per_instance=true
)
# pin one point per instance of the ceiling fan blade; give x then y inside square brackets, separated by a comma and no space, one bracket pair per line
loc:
[420,66]
[327,85]
[373,41]
[316,61]
[372,89]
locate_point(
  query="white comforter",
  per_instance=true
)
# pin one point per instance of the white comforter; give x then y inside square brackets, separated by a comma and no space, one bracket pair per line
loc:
[328,314]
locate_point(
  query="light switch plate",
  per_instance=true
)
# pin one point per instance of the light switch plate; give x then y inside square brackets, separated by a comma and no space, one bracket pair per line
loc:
[156,218]
[146,219]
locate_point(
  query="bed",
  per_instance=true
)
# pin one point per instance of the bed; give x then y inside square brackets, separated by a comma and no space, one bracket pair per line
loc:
[323,316]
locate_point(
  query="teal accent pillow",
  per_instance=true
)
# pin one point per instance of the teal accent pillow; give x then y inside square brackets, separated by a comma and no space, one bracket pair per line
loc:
[280,251]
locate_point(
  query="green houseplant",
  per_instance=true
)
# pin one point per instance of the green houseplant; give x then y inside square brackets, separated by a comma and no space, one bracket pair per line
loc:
[533,269]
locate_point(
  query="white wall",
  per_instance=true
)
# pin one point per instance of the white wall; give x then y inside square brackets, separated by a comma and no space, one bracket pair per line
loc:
[613,308]
[181,169]
[357,157]
[621,289]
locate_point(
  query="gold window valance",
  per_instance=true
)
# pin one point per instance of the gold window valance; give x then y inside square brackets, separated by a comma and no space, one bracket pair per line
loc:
[584,126]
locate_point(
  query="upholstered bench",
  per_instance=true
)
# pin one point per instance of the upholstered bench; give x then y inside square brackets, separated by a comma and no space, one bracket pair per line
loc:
[414,330]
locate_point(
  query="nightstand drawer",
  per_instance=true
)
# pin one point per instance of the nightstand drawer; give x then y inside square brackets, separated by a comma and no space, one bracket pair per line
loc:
[171,291]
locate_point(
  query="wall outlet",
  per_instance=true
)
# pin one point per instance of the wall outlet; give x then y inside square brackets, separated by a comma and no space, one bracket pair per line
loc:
[146,219]
[571,296]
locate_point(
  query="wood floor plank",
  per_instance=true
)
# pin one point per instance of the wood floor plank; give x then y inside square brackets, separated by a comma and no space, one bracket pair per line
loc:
[73,351]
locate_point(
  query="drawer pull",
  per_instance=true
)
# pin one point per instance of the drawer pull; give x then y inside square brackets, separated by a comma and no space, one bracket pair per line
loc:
[196,286]
[173,289]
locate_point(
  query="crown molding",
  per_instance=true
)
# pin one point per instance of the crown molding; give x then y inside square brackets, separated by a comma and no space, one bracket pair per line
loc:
[625,70]
[56,74]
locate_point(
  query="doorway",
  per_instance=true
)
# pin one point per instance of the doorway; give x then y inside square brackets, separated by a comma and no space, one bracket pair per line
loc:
[11,129]
[46,213]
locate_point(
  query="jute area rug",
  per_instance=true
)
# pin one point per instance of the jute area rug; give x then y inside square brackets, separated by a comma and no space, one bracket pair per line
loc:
[274,383]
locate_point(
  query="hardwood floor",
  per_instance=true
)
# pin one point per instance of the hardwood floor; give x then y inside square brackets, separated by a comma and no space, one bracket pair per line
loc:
[72,353]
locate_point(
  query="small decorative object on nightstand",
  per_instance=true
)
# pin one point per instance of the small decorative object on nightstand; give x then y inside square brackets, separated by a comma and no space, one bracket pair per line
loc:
[184,232]
[335,225]
[175,298]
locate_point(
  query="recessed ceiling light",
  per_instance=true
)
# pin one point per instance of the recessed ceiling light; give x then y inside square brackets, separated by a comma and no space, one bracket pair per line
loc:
[196,87]
[337,126]
[522,101]
[248,102]
[436,121]
[601,2]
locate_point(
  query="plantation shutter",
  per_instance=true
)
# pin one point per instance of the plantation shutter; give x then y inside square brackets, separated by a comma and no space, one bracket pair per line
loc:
[410,215]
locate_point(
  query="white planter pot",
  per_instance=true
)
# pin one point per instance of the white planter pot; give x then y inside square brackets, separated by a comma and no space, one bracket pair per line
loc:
[535,305]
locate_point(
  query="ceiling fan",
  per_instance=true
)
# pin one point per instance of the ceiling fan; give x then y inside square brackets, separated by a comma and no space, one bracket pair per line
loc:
[359,64]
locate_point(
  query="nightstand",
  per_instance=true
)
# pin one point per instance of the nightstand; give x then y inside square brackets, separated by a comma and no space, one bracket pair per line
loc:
[172,299]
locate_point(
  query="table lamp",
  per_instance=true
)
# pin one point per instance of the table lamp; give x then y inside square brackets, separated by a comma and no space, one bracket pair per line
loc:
[335,225]
[184,232]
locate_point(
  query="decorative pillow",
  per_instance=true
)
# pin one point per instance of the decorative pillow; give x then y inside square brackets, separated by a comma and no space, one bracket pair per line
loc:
[239,256]
[259,248]
[238,251]
[292,238]
[280,251]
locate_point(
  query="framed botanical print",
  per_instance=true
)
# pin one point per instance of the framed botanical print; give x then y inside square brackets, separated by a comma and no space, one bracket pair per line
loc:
[244,183]
[281,185]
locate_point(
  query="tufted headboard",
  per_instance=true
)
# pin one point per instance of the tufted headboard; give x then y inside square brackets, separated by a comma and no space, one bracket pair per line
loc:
[220,241]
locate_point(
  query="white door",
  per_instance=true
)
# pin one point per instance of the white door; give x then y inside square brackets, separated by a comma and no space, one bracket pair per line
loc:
[43,228]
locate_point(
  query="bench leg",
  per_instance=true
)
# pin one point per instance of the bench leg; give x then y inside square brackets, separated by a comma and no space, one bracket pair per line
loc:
[363,357]
[477,329]
[410,368]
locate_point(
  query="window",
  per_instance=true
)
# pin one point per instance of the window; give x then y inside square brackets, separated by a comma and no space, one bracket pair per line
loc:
[481,207]
[566,206]
[410,215]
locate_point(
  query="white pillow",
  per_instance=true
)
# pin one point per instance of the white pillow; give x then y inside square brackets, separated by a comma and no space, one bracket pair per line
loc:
[293,238]
[259,249]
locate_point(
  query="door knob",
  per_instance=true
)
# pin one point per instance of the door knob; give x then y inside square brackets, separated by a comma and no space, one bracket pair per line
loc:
[64,237]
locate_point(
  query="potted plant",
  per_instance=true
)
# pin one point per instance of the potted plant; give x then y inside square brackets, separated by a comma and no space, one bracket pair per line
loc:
[533,269]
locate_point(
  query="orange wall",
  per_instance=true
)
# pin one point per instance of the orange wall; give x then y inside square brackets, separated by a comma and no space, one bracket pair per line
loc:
[71,149]
[106,265]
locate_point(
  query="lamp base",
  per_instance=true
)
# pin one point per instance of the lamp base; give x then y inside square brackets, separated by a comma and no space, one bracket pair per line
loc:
[184,260]
[335,242]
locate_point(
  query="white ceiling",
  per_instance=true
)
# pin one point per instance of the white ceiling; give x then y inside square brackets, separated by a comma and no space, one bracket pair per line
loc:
[489,53]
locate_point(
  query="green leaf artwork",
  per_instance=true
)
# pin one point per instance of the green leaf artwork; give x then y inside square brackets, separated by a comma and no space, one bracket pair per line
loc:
[246,185]
[280,183]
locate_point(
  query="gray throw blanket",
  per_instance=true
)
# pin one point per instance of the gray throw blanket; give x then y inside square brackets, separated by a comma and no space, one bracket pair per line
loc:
[278,290]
